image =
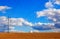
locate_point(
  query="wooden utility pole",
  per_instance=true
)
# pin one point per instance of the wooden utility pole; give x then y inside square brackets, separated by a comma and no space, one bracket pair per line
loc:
[8,24]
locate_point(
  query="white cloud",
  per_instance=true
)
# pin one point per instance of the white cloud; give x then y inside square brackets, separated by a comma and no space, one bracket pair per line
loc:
[49,5]
[40,13]
[45,12]
[45,25]
[57,2]
[11,22]
[39,23]
[3,20]
[22,21]
[52,14]
[4,8]
[28,23]
[14,21]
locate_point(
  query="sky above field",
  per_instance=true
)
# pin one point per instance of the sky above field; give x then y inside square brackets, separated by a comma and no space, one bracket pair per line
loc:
[27,15]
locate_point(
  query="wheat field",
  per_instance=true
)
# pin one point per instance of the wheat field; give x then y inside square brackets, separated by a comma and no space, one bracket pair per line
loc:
[29,35]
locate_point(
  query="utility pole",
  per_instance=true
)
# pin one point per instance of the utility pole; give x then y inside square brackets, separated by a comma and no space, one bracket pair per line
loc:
[8,24]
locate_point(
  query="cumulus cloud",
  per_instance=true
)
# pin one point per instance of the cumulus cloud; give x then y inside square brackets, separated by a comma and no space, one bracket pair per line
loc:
[4,8]
[39,24]
[57,2]
[52,14]
[11,22]
[14,21]
[3,20]
[48,5]
[22,21]
[43,26]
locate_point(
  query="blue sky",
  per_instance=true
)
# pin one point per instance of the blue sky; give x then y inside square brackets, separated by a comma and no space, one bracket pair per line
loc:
[26,9]
[23,8]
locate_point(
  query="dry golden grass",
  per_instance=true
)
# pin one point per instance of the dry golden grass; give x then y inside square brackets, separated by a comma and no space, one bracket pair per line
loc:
[29,35]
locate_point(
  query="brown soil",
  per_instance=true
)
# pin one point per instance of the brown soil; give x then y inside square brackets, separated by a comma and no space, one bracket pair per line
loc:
[29,35]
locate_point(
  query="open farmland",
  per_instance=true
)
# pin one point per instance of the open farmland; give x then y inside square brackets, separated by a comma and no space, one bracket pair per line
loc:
[29,35]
